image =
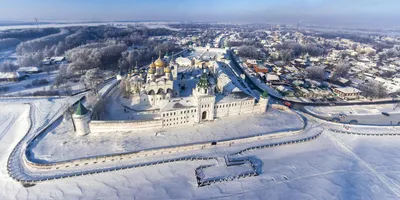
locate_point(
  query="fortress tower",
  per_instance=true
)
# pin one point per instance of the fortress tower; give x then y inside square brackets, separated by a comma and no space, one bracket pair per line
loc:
[263,102]
[81,119]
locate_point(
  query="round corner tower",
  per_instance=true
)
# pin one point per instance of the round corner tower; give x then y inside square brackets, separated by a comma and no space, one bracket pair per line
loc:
[81,119]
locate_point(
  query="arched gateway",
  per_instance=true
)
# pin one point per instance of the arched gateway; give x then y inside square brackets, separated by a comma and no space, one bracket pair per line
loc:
[204,115]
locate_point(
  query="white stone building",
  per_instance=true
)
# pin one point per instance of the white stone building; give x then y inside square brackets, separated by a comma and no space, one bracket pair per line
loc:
[214,95]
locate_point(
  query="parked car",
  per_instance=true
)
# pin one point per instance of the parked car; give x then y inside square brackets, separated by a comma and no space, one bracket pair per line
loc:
[386,114]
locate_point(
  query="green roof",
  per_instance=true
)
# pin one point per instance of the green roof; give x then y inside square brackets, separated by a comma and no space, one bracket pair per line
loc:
[81,110]
[203,82]
[265,94]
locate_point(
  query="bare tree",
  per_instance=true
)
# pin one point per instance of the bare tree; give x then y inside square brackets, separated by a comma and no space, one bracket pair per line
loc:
[315,72]
[92,78]
[341,70]
[8,66]
[373,89]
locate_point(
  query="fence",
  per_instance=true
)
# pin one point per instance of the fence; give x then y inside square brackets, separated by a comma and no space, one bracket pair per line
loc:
[151,152]
[364,134]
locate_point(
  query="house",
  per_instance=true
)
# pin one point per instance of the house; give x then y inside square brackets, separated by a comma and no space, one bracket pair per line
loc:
[53,60]
[261,68]
[252,61]
[272,78]
[285,91]
[342,82]
[29,70]
[302,92]
[11,76]
[347,93]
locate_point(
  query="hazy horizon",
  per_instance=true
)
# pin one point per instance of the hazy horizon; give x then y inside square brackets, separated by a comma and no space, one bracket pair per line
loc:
[372,13]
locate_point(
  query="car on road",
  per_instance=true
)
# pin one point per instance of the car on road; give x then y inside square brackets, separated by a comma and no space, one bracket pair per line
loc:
[353,121]
[386,114]
[288,104]
[331,99]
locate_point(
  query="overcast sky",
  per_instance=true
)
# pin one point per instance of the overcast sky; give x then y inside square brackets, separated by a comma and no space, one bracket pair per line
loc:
[332,12]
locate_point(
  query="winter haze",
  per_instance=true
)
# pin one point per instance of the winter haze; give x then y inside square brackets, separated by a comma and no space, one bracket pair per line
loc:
[326,12]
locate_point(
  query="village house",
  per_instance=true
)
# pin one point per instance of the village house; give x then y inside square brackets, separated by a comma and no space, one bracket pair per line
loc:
[347,93]
[11,76]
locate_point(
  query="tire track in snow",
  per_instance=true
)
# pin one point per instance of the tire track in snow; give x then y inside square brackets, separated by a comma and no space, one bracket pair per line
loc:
[9,125]
[390,185]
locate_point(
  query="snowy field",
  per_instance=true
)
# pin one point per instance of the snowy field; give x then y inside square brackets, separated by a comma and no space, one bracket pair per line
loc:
[334,166]
[60,143]
[355,109]
[8,55]
[362,114]
[21,88]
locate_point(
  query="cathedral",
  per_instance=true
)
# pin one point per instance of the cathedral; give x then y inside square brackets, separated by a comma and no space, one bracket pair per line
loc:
[217,92]
[159,83]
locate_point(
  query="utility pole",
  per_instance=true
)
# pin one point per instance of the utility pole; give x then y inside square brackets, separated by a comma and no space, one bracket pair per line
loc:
[37,24]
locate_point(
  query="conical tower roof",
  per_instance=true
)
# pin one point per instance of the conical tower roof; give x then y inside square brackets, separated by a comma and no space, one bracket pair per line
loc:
[264,94]
[81,109]
[203,82]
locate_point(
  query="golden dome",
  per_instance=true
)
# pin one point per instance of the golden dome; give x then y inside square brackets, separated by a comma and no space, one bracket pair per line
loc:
[151,70]
[152,65]
[167,70]
[159,63]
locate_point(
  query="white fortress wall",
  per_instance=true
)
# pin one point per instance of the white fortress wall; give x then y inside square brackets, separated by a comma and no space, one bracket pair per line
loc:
[121,126]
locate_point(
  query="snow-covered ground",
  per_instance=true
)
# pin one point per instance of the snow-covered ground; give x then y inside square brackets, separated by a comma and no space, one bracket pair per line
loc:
[334,166]
[60,143]
[222,171]
[8,55]
[355,109]
[21,88]
[361,114]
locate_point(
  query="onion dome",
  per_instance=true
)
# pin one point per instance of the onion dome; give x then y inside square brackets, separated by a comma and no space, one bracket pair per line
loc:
[152,65]
[136,69]
[167,70]
[159,62]
[151,70]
